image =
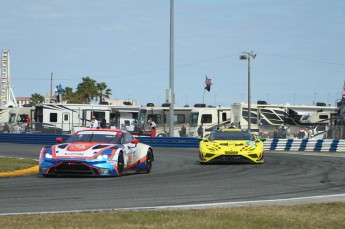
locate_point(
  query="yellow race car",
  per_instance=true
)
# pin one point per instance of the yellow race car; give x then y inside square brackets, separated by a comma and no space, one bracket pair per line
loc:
[231,145]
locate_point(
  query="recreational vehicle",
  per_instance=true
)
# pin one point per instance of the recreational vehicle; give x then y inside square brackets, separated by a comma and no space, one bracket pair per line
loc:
[316,118]
[72,117]
[320,122]
[4,114]
[18,116]
[209,118]
[160,115]
[266,117]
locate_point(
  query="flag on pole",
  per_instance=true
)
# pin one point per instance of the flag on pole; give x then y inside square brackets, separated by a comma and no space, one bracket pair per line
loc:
[208,84]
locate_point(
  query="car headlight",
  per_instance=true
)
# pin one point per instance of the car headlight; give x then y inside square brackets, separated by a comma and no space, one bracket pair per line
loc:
[251,144]
[102,157]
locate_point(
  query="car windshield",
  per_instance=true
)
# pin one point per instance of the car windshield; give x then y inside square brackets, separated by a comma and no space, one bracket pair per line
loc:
[106,137]
[228,135]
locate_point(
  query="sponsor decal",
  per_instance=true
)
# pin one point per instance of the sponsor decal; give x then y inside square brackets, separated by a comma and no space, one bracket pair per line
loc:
[74,154]
[80,146]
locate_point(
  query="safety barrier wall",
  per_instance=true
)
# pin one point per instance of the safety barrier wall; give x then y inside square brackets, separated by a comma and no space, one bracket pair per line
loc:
[311,145]
[173,142]
[43,139]
[50,139]
[315,145]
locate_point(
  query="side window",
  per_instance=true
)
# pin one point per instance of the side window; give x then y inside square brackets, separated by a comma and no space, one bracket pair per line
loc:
[65,117]
[53,117]
[179,118]
[127,138]
[206,118]
[223,116]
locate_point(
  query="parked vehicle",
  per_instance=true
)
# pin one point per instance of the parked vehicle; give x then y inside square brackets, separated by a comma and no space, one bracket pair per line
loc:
[73,117]
[210,118]
[160,115]
[266,117]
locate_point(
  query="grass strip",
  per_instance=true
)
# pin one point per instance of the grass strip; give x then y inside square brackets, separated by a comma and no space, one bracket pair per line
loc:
[326,215]
[15,166]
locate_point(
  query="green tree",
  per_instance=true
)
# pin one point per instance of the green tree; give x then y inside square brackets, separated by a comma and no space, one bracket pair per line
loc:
[87,90]
[36,98]
[70,96]
[103,91]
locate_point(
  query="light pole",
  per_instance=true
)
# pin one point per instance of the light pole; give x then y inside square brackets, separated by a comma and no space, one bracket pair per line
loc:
[171,72]
[247,56]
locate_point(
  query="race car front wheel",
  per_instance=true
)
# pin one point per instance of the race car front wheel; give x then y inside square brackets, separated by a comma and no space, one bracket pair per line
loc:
[120,165]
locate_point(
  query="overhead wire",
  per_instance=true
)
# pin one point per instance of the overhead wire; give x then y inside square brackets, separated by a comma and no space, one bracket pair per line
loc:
[187,65]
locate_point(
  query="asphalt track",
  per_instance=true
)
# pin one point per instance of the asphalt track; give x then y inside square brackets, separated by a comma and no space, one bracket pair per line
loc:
[177,180]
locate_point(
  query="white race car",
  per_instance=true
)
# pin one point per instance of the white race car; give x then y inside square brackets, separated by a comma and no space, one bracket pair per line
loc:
[96,152]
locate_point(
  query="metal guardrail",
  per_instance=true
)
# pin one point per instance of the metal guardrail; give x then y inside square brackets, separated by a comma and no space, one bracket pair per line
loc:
[308,145]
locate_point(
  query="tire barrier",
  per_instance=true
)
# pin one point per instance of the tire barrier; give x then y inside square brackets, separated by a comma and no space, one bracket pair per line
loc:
[308,145]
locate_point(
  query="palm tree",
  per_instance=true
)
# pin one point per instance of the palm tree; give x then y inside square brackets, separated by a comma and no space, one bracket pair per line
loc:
[87,90]
[103,87]
[36,98]
[70,96]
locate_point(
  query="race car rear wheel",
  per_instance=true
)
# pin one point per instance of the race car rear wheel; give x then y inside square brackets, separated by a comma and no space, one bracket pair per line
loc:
[149,158]
[120,165]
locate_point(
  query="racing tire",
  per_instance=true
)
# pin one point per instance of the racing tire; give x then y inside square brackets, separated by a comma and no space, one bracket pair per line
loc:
[148,162]
[48,176]
[120,165]
[161,135]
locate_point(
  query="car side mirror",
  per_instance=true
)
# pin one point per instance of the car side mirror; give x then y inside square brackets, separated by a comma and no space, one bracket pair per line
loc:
[135,141]
[59,140]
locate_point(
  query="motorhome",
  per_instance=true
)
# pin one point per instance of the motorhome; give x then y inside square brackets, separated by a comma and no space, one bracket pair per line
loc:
[319,121]
[160,115]
[262,116]
[4,114]
[316,118]
[71,117]
[3,117]
[266,117]
[18,116]
[209,118]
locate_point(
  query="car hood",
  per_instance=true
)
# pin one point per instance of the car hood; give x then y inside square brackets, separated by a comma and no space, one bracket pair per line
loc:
[230,143]
[80,150]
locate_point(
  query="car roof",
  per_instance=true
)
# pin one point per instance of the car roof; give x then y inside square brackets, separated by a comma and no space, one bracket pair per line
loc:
[232,130]
[101,130]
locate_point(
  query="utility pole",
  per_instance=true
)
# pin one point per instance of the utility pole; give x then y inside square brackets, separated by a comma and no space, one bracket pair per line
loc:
[171,74]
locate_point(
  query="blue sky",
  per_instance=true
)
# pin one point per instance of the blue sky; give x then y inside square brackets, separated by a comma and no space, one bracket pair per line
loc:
[125,43]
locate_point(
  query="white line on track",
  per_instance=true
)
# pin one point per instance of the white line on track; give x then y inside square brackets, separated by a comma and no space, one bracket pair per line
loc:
[286,201]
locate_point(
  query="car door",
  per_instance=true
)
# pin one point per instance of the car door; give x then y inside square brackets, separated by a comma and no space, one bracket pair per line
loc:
[130,149]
